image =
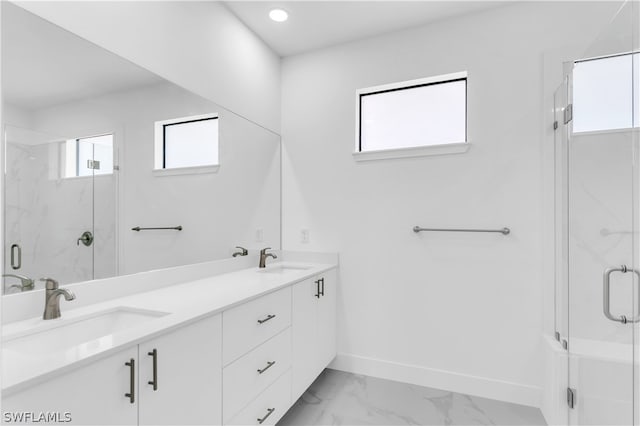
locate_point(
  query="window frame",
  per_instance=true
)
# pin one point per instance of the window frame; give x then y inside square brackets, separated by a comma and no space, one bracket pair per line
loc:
[76,156]
[422,150]
[160,146]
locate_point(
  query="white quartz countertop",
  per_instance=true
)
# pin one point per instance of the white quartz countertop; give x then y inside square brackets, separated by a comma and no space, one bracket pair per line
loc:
[182,304]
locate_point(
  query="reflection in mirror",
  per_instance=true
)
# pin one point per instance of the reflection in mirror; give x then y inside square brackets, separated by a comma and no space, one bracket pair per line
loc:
[96,146]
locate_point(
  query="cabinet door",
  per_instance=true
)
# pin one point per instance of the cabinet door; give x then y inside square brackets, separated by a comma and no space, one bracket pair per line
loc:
[304,324]
[327,320]
[188,379]
[91,395]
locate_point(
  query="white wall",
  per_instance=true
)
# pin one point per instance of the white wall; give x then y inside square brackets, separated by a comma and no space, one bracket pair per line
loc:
[199,45]
[453,311]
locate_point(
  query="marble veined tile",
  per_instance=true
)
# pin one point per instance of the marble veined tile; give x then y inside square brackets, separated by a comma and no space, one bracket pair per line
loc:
[339,398]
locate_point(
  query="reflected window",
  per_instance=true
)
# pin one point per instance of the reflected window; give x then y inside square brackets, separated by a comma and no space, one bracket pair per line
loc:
[418,113]
[89,156]
[187,142]
[603,91]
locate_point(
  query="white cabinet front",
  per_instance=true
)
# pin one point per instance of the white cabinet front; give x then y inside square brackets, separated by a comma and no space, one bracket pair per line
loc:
[181,376]
[101,393]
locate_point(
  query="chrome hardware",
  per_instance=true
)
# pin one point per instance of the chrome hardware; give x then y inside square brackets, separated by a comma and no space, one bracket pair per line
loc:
[15,265]
[606,294]
[565,345]
[154,382]
[568,113]
[557,336]
[93,164]
[132,380]
[264,255]
[26,283]
[269,317]
[175,228]
[269,365]
[319,290]
[571,397]
[503,231]
[269,411]
[243,252]
[52,298]
[86,238]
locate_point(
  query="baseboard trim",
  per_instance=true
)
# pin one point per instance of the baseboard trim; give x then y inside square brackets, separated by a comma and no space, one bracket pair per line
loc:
[439,379]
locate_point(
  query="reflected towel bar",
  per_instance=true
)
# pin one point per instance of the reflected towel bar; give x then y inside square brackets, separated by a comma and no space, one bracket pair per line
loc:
[175,228]
[503,231]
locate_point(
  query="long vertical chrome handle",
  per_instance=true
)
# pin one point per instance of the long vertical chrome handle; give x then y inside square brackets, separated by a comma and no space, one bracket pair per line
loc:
[13,256]
[154,382]
[132,380]
[606,294]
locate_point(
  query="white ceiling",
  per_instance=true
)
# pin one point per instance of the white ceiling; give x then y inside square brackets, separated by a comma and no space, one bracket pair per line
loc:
[317,24]
[37,74]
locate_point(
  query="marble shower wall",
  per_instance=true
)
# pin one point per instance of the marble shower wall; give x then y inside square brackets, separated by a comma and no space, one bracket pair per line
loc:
[46,214]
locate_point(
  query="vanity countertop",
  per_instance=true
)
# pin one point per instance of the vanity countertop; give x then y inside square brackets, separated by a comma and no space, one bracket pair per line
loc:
[180,304]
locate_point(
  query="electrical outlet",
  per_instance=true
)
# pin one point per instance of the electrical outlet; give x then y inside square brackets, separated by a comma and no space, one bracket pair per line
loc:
[304,236]
[259,235]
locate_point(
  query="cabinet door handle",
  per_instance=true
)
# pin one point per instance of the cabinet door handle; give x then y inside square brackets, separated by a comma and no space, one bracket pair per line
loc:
[317,289]
[322,282]
[269,317]
[132,380]
[154,382]
[269,365]
[269,411]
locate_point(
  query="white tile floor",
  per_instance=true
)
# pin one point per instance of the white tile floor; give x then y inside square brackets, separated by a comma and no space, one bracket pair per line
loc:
[338,398]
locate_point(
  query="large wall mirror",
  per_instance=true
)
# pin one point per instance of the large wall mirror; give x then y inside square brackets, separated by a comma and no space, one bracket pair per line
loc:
[98,150]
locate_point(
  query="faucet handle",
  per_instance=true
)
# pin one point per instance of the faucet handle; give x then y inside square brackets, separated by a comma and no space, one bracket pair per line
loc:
[264,250]
[244,250]
[51,284]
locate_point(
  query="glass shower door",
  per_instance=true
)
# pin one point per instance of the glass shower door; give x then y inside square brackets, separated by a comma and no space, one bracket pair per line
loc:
[603,273]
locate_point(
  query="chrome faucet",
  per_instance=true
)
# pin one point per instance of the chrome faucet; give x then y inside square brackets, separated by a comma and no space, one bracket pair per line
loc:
[243,252]
[52,298]
[264,255]
[26,283]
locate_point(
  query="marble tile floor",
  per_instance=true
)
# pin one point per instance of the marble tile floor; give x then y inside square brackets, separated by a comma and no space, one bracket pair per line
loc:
[339,398]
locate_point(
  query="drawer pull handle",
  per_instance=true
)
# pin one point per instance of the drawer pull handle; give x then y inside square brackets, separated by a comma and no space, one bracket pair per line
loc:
[322,288]
[269,411]
[154,382]
[269,365]
[132,380]
[262,321]
[318,294]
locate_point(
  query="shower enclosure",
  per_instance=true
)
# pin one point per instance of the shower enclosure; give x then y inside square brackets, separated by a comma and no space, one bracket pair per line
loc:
[60,208]
[597,262]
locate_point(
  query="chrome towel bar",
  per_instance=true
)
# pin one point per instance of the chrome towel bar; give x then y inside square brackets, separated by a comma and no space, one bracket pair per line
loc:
[503,231]
[175,228]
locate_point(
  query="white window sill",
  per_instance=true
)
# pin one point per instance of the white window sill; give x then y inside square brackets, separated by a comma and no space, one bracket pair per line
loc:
[196,170]
[421,151]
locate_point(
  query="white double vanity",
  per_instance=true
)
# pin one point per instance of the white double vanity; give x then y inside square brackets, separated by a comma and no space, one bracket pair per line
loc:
[230,343]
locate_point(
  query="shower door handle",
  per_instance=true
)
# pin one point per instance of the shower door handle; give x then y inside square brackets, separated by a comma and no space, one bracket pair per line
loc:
[606,296]
[16,261]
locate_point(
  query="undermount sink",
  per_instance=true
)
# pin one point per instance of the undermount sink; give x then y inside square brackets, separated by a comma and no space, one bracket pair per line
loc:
[88,329]
[283,269]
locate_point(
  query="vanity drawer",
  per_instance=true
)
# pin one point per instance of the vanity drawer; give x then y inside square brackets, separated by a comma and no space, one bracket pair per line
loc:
[248,325]
[248,376]
[273,402]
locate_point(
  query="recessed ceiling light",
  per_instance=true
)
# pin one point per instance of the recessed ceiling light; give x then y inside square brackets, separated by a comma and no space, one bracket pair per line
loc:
[278,15]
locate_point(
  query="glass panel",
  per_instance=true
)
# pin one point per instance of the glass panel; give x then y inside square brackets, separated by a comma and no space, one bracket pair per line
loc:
[190,144]
[601,229]
[418,116]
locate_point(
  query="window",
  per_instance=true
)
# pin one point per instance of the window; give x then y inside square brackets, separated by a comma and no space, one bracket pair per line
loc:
[89,156]
[414,114]
[186,142]
[602,93]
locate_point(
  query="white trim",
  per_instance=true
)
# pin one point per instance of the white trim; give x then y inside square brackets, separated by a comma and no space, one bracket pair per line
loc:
[400,85]
[419,151]
[195,170]
[485,387]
